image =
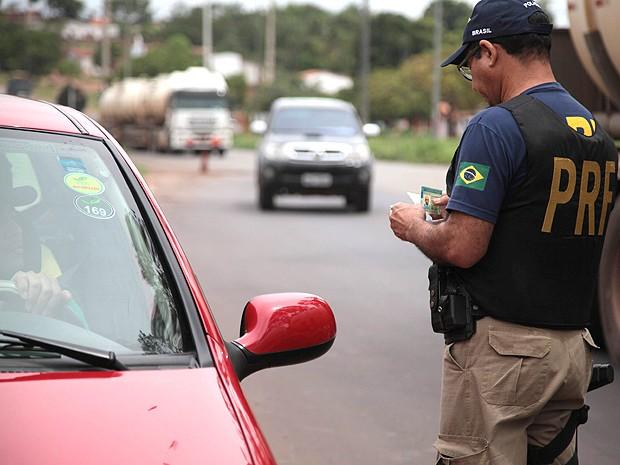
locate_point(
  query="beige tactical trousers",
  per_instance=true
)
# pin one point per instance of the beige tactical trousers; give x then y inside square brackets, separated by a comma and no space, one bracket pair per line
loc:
[507,386]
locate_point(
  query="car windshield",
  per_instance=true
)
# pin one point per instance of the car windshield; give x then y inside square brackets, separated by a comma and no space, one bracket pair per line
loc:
[198,100]
[68,217]
[320,121]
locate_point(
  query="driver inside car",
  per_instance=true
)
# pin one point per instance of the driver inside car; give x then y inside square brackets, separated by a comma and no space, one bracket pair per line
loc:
[26,262]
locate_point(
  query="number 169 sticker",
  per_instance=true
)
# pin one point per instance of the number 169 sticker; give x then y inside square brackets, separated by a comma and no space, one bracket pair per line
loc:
[95,207]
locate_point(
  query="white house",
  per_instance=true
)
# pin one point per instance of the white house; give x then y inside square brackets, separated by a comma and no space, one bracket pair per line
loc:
[325,82]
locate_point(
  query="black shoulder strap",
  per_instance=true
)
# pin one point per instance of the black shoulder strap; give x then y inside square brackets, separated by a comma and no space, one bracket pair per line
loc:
[547,454]
[516,102]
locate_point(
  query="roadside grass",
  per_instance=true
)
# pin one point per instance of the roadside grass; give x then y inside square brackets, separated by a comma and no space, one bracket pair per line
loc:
[389,146]
[246,140]
[413,148]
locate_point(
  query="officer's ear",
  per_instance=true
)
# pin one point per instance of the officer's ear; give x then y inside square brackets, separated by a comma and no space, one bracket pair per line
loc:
[489,52]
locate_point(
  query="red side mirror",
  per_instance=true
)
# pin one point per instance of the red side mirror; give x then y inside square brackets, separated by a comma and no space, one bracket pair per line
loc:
[282,329]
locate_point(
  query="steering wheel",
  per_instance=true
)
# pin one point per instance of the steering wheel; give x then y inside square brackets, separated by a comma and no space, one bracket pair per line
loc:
[10,298]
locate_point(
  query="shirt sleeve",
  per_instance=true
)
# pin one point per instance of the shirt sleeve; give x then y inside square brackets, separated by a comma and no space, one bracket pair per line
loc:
[490,159]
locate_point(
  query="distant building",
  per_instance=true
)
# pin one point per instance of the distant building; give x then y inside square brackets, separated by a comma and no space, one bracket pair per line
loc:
[325,82]
[232,64]
[91,31]
[84,56]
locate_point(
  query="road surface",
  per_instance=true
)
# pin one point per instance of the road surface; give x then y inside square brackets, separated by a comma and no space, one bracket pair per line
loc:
[374,398]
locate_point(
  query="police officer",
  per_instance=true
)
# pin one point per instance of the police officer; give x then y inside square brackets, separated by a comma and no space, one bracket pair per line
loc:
[529,193]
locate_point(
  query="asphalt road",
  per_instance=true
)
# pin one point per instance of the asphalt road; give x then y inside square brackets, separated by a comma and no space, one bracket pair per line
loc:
[374,398]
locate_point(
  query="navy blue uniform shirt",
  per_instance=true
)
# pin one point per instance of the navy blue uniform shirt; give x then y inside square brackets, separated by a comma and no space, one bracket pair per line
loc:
[493,145]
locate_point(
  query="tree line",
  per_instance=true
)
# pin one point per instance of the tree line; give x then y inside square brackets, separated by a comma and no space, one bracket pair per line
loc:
[307,37]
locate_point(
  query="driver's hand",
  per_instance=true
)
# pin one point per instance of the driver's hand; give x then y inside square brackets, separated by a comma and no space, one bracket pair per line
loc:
[42,294]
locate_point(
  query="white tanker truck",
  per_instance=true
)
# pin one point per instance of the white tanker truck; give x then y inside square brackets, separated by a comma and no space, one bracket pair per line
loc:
[181,111]
[595,33]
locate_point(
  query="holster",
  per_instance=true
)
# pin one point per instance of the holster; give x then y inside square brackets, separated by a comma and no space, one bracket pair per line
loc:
[451,305]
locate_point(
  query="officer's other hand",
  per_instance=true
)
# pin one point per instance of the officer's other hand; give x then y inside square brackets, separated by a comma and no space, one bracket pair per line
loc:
[43,295]
[403,216]
[440,202]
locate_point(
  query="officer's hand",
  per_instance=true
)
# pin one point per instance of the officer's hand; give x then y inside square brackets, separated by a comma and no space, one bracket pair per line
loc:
[403,216]
[441,202]
[42,294]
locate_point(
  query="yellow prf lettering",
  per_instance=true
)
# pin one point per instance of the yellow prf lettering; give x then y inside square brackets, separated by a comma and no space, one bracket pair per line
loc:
[588,198]
[610,169]
[556,196]
[579,122]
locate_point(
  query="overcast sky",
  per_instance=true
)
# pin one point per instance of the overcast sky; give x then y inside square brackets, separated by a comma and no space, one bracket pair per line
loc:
[410,8]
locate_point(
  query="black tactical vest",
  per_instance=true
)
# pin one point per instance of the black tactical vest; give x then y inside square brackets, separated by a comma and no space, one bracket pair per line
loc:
[541,265]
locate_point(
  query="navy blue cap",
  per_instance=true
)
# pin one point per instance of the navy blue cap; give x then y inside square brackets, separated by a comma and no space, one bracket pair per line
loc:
[498,18]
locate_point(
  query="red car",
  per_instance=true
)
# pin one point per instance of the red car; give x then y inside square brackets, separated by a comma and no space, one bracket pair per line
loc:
[109,353]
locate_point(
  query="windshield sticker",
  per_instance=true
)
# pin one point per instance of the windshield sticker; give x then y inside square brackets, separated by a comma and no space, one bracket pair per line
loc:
[94,207]
[72,165]
[84,183]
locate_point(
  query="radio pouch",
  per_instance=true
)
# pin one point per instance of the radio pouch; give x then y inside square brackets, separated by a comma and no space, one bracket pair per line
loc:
[450,304]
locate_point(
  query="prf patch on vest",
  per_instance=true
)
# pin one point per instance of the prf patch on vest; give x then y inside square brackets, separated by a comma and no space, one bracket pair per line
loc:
[589,183]
[472,175]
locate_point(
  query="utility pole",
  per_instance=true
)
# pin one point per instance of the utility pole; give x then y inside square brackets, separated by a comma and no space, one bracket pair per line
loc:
[207,36]
[270,45]
[106,55]
[365,61]
[436,93]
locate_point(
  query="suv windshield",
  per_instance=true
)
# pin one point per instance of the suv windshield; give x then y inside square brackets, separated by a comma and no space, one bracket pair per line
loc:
[77,263]
[321,121]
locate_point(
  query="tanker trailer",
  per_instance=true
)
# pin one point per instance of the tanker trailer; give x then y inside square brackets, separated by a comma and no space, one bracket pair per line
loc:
[182,111]
[595,34]
[596,37]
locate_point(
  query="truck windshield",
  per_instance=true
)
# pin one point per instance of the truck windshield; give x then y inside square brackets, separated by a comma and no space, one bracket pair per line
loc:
[322,121]
[70,223]
[198,100]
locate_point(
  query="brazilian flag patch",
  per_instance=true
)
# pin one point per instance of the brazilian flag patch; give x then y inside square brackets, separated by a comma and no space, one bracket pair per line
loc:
[472,175]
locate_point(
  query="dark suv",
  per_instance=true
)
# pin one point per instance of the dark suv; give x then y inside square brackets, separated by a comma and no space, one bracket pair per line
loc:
[314,146]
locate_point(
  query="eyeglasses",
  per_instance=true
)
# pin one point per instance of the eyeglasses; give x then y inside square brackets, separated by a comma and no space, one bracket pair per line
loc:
[464,67]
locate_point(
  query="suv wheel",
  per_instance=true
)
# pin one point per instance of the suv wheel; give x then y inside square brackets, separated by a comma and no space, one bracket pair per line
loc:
[360,200]
[265,198]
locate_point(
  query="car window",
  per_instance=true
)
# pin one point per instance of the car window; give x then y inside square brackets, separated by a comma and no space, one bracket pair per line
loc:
[77,222]
[321,121]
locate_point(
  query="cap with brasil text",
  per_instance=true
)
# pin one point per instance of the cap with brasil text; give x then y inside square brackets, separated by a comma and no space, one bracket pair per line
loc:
[498,18]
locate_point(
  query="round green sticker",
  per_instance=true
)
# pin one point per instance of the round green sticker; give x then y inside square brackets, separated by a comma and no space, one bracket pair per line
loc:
[84,183]
[95,207]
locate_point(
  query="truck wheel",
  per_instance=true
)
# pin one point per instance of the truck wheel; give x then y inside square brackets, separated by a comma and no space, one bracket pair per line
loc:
[609,285]
[265,198]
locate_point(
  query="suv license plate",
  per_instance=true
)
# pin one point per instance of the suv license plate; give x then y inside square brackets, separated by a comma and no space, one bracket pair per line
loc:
[316,180]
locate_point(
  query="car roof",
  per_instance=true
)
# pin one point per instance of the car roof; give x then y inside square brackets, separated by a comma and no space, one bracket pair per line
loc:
[23,113]
[312,102]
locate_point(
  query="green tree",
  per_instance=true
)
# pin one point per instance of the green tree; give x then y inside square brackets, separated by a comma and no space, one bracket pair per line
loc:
[455,14]
[38,50]
[69,68]
[236,91]
[175,54]
[285,85]
[128,12]
[65,8]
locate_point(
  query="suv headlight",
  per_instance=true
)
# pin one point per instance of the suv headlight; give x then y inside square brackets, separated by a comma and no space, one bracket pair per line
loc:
[360,152]
[272,150]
